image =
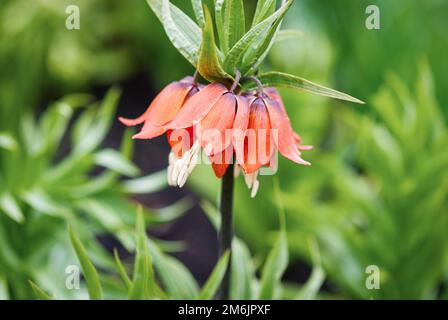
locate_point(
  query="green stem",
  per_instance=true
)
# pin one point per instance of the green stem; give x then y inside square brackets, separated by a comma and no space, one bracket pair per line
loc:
[226,230]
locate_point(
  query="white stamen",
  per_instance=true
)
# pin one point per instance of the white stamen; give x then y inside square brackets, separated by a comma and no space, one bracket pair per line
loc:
[236,170]
[252,182]
[255,189]
[180,169]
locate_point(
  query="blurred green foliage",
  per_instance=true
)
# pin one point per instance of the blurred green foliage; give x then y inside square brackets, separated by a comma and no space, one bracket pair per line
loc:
[156,275]
[375,195]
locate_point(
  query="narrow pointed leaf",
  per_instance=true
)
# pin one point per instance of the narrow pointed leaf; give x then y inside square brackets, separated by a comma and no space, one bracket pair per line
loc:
[8,142]
[143,271]
[88,269]
[116,161]
[258,52]
[10,207]
[287,34]
[242,272]
[40,294]
[198,12]
[151,183]
[219,18]
[183,32]
[175,277]
[264,9]
[287,80]
[122,271]
[234,21]
[211,286]
[209,65]
[311,288]
[274,268]
[253,39]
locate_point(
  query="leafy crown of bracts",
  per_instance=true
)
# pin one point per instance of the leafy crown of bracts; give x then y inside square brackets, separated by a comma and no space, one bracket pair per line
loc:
[217,60]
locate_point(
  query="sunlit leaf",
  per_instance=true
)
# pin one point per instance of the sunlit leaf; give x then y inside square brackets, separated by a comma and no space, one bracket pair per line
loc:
[151,183]
[8,142]
[274,268]
[253,39]
[122,271]
[143,280]
[234,22]
[181,30]
[287,34]
[40,294]
[88,269]
[10,207]
[264,9]
[213,282]
[115,161]
[175,277]
[287,80]
[198,12]
[242,272]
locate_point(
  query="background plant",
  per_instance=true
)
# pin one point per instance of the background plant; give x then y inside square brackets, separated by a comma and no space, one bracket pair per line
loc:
[334,48]
[44,183]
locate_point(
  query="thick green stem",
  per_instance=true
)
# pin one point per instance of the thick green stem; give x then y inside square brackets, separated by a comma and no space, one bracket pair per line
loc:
[226,231]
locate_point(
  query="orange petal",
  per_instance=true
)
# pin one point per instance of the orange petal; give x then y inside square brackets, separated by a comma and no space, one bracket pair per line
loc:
[240,127]
[180,140]
[221,161]
[149,132]
[198,106]
[285,140]
[258,148]
[164,107]
[216,126]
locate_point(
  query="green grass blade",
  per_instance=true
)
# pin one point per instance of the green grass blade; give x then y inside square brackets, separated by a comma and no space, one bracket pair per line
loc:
[89,271]
[211,286]
[122,271]
[40,294]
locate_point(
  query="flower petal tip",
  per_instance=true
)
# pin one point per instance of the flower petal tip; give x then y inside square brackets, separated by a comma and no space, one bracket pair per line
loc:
[125,121]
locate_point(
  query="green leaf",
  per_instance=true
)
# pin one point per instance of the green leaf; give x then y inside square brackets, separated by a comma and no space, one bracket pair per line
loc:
[253,40]
[274,268]
[215,279]
[258,52]
[53,125]
[287,80]
[4,290]
[234,22]
[8,142]
[183,32]
[287,34]
[10,207]
[264,9]
[171,212]
[143,279]
[151,183]
[198,12]
[209,65]
[122,271]
[219,18]
[97,129]
[311,288]
[115,161]
[40,294]
[176,278]
[88,269]
[242,272]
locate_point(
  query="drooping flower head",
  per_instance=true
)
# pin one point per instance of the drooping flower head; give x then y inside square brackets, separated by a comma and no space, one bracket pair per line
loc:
[246,129]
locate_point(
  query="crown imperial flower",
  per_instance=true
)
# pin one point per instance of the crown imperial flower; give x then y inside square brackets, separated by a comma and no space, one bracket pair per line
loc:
[237,119]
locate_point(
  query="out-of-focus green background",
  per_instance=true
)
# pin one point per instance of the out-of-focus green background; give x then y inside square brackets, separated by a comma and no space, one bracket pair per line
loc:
[376,194]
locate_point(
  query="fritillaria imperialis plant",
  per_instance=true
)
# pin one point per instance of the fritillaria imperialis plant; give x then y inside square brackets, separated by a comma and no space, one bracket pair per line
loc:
[237,118]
